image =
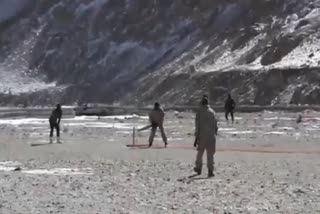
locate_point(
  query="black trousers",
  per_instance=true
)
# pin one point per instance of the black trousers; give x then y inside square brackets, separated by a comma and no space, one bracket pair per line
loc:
[56,126]
[227,115]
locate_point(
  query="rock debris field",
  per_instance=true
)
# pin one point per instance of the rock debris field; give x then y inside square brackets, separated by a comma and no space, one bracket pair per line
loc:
[265,163]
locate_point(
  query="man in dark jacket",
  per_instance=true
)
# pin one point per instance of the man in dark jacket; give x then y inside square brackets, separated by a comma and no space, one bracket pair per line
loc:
[54,122]
[229,107]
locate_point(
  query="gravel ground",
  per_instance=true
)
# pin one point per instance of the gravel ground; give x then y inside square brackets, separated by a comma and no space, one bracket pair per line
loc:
[94,172]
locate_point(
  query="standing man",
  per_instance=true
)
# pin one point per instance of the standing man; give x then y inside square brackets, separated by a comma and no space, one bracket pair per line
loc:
[229,107]
[156,118]
[205,134]
[54,121]
[203,97]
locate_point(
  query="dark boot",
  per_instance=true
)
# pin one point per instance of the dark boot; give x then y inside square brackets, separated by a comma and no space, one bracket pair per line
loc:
[198,171]
[210,174]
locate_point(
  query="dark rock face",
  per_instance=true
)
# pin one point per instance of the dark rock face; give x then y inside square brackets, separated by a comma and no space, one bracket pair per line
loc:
[138,51]
[10,9]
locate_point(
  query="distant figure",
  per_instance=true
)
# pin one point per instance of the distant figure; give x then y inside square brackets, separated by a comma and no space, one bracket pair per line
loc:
[54,121]
[156,118]
[299,119]
[205,96]
[206,129]
[229,107]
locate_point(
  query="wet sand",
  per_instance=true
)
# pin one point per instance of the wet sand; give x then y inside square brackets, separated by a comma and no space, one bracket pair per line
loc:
[266,163]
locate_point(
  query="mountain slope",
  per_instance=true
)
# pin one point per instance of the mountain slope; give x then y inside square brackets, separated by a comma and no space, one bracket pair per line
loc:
[139,51]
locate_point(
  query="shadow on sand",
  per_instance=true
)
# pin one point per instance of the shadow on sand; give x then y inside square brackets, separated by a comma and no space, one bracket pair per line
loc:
[191,178]
[44,144]
[149,148]
[145,146]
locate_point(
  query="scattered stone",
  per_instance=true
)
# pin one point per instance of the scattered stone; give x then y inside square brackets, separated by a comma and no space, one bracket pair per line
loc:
[17,169]
[299,191]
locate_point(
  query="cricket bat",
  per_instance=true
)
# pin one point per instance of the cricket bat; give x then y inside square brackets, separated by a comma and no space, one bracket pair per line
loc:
[144,128]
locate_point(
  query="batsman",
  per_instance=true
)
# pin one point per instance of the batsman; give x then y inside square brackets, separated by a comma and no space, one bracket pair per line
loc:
[156,118]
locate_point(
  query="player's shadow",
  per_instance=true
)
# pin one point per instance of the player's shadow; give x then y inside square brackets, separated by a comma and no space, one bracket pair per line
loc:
[145,148]
[192,178]
[199,178]
[44,144]
[41,144]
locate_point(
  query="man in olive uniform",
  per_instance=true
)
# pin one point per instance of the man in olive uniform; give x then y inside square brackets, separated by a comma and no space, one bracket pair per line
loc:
[54,122]
[156,118]
[205,134]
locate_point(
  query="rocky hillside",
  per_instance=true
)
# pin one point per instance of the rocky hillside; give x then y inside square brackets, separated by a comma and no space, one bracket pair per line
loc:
[138,51]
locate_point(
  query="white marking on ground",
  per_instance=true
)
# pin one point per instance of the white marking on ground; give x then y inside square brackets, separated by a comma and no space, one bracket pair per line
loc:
[175,139]
[285,128]
[102,125]
[8,166]
[240,132]
[23,121]
[60,171]
[278,118]
[115,117]
[227,129]
[276,133]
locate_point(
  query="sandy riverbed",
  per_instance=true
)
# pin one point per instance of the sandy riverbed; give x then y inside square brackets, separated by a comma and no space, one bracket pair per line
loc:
[266,163]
